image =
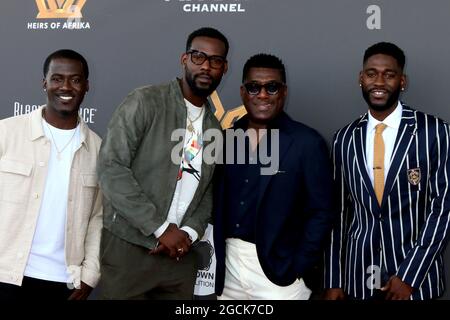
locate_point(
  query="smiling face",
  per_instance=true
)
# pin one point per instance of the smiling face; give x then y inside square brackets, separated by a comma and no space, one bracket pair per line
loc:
[382,80]
[66,85]
[263,107]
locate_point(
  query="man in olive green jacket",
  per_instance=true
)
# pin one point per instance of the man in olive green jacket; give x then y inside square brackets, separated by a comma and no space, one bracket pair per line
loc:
[157,204]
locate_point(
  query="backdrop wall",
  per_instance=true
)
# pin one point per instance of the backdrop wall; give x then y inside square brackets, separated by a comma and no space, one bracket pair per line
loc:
[136,42]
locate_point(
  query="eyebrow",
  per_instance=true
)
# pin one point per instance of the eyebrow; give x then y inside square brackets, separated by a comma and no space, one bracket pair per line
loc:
[375,69]
[269,81]
[68,75]
[209,55]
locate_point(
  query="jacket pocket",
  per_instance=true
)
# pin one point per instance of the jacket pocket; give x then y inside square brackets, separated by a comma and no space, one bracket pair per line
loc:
[89,191]
[89,180]
[15,167]
[15,180]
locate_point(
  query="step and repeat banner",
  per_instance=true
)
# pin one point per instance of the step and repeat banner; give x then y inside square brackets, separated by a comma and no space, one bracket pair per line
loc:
[131,43]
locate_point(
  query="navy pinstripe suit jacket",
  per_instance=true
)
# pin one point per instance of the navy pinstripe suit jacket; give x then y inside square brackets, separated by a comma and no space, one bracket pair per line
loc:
[405,236]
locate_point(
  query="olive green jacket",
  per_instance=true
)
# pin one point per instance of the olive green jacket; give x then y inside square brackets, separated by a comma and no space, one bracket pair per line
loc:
[135,171]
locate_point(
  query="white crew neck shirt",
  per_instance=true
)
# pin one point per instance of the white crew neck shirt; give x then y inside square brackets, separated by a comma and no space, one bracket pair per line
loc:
[47,260]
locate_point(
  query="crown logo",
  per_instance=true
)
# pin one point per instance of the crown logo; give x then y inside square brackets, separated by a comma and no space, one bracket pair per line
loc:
[56,9]
[226,118]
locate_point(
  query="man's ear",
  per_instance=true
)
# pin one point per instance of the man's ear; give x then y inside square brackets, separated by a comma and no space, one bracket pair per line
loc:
[285,91]
[403,82]
[184,58]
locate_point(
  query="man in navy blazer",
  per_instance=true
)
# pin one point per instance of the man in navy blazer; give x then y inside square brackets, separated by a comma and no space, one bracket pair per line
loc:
[270,219]
[392,170]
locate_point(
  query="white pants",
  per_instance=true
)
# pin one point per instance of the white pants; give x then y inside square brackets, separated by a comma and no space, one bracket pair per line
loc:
[245,279]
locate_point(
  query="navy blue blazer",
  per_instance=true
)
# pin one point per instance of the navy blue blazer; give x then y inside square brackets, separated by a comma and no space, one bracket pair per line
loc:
[294,209]
[406,234]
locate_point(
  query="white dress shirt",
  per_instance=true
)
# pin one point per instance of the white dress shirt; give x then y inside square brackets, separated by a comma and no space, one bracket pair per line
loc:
[389,135]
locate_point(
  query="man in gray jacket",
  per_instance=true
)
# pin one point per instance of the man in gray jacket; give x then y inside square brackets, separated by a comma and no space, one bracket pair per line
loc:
[157,205]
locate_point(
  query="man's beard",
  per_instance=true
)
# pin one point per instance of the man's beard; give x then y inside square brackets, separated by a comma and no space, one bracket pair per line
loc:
[393,98]
[201,92]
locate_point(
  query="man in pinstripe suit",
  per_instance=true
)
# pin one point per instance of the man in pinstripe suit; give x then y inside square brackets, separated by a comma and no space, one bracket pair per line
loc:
[392,171]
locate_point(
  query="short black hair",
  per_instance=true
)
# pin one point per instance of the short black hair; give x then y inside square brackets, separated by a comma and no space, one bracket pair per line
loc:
[386,48]
[264,60]
[210,33]
[66,54]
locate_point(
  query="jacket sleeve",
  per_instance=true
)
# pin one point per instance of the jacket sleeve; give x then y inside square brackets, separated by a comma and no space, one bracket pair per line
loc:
[318,185]
[433,235]
[90,269]
[125,132]
[333,259]
[2,138]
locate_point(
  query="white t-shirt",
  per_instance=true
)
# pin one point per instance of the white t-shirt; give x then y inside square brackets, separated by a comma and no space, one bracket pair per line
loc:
[47,257]
[190,171]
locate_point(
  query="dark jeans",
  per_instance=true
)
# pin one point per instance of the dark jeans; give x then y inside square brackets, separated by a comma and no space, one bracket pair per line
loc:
[34,289]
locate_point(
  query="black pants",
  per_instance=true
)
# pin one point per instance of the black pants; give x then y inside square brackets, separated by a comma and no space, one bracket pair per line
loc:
[34,289]
[128,272]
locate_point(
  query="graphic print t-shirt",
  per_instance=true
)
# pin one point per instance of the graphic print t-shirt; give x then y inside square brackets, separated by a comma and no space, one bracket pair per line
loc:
[190,167]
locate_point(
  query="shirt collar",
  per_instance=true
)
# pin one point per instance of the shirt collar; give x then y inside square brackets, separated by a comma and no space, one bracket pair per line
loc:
[37,131]
[279,122]
[191,105]
[392,121]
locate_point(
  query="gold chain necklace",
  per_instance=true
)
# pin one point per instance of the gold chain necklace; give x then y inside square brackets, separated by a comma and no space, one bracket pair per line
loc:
[190,126]
[58,152]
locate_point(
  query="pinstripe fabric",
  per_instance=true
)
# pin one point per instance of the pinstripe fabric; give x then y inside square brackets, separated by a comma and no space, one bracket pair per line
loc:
[406,234]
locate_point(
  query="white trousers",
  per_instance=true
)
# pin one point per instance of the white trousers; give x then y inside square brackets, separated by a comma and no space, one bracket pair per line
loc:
[245,279]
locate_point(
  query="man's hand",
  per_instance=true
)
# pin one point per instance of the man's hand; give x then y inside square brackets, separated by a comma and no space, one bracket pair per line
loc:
[334,294]
[82,293]
[173,241]
[396,289]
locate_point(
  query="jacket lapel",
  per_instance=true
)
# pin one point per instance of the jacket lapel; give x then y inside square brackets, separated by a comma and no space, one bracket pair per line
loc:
[405,135]
[284,143]
[359,142]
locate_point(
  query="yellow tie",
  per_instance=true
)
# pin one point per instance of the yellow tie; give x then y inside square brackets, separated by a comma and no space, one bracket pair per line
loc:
[378,162]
